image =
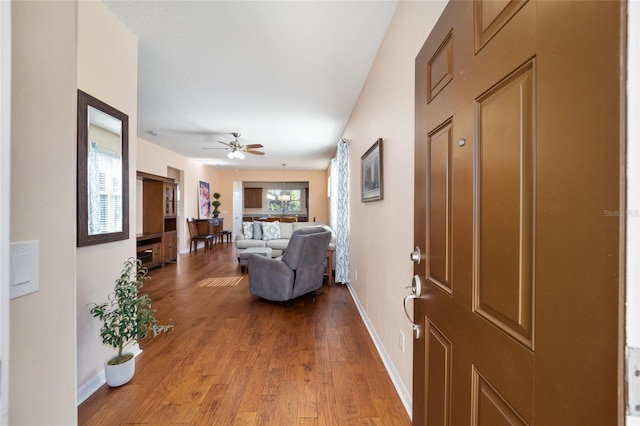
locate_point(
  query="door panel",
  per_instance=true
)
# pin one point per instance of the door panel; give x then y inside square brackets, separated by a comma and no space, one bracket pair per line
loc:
[440,68]
[440,220]
[510,192]
[490,16]
[438,376]
[489,407]
[503,289]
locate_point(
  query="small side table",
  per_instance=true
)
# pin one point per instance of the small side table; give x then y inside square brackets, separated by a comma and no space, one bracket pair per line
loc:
[226,233]
[329,271]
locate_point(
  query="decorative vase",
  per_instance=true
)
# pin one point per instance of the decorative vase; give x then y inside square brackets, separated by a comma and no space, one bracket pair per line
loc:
[119,374]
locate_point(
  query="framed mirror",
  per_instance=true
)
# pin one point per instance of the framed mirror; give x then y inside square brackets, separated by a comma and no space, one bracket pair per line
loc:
[103,172]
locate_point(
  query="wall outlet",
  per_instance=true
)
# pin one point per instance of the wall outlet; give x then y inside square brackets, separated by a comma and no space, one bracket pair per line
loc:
[401,340]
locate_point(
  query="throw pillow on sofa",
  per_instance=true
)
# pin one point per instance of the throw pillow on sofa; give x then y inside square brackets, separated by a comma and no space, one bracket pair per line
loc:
[270,231]
[257,230]
[247,230]
[286,229]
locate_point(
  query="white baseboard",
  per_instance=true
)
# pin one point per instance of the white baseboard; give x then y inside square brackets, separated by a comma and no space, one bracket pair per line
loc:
[86,390]
[405,397]
[89,388]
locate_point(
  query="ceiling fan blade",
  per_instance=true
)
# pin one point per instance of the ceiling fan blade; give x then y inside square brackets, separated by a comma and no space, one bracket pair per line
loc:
[224,143]
[253,151]
[204,147]
[254,145]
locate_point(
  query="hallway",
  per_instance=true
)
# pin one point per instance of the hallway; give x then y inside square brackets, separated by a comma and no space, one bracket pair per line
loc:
[234,359]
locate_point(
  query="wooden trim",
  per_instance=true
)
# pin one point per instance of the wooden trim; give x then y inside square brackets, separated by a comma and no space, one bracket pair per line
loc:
[144,175]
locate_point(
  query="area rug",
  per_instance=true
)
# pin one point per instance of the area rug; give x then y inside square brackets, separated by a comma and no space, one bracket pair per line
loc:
[220,282]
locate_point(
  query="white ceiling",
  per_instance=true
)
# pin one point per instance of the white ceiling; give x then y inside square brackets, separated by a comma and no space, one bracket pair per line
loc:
[285,74]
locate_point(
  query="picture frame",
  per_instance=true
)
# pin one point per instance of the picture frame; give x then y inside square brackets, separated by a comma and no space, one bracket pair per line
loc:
[371,166]
[204,200]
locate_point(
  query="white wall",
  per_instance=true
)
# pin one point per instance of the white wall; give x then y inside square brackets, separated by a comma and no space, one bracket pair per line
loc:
[107,68]
[43,324]
[382,231]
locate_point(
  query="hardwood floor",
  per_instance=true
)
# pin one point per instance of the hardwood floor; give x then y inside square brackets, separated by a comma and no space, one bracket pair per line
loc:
[234,359]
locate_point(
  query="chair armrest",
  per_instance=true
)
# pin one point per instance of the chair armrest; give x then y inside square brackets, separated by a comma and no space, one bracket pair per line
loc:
[270,278]
[267,265]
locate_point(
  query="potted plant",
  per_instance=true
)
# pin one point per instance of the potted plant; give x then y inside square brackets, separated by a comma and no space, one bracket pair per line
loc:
[216,203]
[126,317]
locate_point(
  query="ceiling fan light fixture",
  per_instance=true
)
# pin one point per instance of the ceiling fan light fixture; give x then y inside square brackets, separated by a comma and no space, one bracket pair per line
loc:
[236,153]
[237,150]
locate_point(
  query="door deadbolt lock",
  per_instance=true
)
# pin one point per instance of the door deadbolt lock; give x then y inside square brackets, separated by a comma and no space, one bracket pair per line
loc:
[416,256]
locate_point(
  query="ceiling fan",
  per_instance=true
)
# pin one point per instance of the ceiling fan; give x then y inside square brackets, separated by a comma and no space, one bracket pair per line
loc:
[237,149]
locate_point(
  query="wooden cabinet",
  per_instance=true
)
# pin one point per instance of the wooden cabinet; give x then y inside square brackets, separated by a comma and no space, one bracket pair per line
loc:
[253,198]
[152,211]
[213,226]
[170,246]
[158,243]
[170,199]
[149,250]
[170,236]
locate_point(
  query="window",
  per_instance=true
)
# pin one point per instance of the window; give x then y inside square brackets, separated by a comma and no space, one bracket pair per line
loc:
[107,189]
[275,205]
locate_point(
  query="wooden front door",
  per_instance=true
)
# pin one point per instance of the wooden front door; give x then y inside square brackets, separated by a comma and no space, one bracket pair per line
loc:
[518,213]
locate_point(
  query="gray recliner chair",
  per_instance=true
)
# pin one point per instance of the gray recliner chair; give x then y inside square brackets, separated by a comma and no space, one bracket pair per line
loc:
[299,271]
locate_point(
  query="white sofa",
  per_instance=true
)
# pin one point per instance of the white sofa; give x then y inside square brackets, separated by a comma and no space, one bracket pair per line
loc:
[260,234]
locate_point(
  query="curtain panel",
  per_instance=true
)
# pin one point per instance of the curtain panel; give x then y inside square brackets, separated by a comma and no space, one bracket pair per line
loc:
[341,207]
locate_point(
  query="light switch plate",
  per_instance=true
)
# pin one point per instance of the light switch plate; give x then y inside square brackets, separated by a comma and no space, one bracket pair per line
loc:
[633,381]
[24,268]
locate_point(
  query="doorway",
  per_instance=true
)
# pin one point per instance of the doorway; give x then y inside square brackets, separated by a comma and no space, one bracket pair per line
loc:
[178,176]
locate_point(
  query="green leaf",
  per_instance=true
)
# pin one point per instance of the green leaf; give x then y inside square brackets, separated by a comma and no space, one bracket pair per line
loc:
[126,316]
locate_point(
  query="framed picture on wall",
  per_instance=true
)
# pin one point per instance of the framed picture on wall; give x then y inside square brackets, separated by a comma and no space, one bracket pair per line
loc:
[204,200]
[371,170]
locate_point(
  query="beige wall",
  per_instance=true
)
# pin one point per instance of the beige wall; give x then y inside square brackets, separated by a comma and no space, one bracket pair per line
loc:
[318,201]
[155,160]
[107,68]
[42,371]
[385,109]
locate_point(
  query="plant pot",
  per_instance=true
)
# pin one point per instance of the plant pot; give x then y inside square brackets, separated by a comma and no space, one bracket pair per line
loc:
[119,374]
[215,215]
